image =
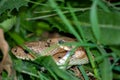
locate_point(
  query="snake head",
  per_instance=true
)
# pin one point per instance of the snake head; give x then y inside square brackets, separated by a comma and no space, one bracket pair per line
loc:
[21,53]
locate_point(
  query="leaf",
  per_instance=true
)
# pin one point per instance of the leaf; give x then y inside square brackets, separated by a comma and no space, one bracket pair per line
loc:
[51,66]
[11,4]
[105,66]
[23,67]
[8,24]
[117,68]
[6,62]
[105,69]
[116,50]
[17,38]
[109,26]
[103,5]
[94,20]
[77,24]
[83,73]
[64,19]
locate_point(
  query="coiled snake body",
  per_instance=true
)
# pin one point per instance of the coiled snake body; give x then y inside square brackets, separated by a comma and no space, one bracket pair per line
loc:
[53,47]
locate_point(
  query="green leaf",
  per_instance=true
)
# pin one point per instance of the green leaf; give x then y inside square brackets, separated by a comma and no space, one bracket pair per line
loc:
[109,26]
[105,66]
[83,72]
[11,4]
[23,67]
[116,76]
[19,40]
[94,20]
[8,24]
[103,5]
[64,19]
[55,71]
[116,50]
[117,68]
[77,24]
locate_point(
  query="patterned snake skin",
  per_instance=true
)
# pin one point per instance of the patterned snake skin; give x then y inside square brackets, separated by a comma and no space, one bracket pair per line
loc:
[52,47]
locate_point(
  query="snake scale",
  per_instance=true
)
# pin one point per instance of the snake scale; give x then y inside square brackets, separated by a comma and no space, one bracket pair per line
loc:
[53,47]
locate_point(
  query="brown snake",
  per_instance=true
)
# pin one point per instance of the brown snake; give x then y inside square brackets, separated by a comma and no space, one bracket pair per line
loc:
[54,48]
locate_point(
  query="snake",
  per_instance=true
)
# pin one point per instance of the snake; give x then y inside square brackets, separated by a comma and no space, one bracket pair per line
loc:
[53,47]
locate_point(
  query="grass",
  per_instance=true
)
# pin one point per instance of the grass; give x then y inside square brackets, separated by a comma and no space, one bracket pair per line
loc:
[95,29]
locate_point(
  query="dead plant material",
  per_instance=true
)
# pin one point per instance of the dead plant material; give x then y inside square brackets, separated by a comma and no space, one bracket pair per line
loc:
[6,63]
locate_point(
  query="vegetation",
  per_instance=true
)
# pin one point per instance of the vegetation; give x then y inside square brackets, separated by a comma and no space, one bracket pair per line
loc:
[94,23]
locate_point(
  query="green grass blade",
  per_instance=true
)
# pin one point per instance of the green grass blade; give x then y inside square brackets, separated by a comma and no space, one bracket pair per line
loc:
[94,20]
[42,77]
[83,72]
[19,40]
[77,22]
[103,6]
[105,66]
[92,63]
[51,66]
[63,17]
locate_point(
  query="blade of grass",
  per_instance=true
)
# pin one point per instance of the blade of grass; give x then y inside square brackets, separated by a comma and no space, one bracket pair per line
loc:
[42,77]
[63,17]
[83,72]
[116,3]
[52,73]
[79,44]
[92,63]
[103,5]
[55,14]
[105,66]
[30,73]
[23,68]
[94,20]
[19,40]
[71,52]
[51,66]
[35,2]
[77,22]
[116,60]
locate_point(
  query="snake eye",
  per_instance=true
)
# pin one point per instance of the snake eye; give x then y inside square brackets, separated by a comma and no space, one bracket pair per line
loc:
[26,51]
[15,50]
[49,41]
[61,41]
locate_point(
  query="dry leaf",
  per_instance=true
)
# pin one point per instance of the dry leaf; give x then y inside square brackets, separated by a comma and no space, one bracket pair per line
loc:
[6,63]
